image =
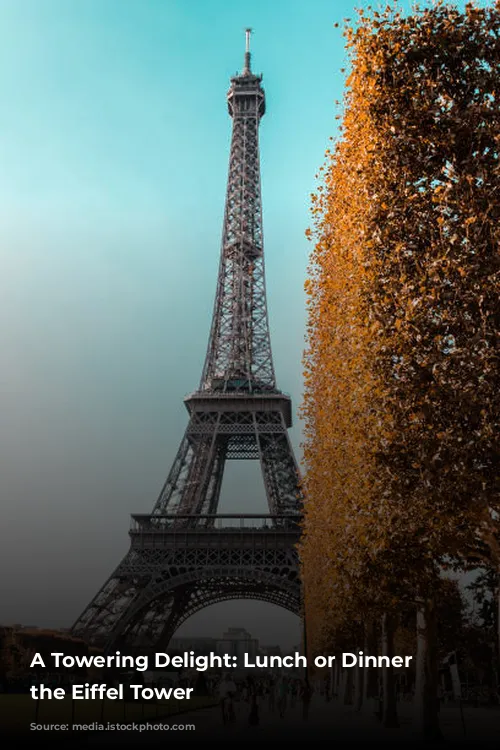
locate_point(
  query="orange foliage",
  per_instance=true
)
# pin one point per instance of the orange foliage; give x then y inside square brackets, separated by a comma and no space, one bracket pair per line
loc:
[402,381]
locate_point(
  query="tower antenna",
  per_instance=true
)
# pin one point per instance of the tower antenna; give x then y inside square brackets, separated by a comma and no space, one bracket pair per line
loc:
[247,51]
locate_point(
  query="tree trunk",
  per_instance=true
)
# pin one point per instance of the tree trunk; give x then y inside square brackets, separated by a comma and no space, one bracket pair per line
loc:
[390,711]
[349,688]
[346,687]
[333,679]
[343,687]
[358,687]
[338,679]
[498,631]
[427,672]
[370,682]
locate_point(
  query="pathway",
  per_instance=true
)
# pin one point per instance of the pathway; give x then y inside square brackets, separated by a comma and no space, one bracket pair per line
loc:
[326,721]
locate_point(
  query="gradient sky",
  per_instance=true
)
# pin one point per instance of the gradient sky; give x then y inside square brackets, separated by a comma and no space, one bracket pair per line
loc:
[114,144]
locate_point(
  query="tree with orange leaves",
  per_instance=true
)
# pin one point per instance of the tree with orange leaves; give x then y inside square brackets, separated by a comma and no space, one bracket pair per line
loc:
[402,386]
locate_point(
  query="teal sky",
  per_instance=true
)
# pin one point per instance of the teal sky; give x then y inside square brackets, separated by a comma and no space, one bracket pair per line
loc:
[114,144]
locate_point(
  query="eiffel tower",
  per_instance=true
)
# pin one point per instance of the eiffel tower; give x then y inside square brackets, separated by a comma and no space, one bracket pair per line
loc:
[184,556]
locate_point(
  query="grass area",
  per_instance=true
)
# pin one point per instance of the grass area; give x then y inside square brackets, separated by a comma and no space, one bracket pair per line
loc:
[18,712]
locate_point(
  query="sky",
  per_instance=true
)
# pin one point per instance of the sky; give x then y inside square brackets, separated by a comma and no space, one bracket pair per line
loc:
[114,146]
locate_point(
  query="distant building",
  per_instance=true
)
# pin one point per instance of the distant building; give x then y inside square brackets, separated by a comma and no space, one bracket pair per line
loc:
[238,642]
[199,645]
[270,650]
[18,646]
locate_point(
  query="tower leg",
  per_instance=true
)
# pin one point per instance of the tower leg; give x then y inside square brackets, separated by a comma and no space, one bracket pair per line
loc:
[280,472]
[194,482]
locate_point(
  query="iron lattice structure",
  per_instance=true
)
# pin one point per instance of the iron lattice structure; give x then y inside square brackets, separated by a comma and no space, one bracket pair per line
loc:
[183,556]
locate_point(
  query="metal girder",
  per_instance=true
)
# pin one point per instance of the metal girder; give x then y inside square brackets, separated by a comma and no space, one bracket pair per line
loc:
[239,350]
[254,562]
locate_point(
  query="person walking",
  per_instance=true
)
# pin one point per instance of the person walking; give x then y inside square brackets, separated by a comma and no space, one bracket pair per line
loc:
[306,699]
[227,690]
[292,694]
[272,695]
[244,692]
[253,699]
[282,696]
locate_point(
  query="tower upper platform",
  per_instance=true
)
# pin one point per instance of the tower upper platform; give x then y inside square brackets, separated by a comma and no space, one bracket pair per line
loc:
[246,95]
